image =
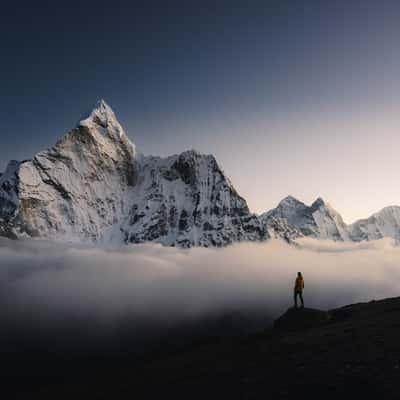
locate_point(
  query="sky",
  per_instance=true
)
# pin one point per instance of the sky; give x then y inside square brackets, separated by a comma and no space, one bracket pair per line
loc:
[292,97]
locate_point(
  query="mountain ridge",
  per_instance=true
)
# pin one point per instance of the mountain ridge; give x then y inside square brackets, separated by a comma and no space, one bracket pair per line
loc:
[95,185]
[320,220]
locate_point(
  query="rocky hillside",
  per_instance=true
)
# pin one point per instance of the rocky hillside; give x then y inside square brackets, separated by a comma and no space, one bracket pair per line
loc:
[351,352]
[348,353]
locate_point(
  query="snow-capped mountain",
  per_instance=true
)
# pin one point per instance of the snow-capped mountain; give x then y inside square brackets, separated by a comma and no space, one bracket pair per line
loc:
[94,185]
[292,219]
[385,223]
[186,200]
[75,189]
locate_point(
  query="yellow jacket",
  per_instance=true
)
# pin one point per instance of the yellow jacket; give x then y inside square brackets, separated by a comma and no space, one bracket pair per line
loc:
[299,284]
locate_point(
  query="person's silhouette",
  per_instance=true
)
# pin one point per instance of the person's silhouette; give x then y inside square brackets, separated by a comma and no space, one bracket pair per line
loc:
[298,289]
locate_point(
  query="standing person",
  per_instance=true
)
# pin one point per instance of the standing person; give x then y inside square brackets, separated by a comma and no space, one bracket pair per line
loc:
[298,289]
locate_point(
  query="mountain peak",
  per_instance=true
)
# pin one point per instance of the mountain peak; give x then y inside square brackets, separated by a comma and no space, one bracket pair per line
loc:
[102,108]
[102,104]
[102,118]
[289,201]
[318,203]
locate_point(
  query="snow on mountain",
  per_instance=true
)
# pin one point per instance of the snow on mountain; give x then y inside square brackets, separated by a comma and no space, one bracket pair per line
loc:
[186,200]
[294,213]
[330,224]
[292,219]
[385,223]
[75,189]
[94,185]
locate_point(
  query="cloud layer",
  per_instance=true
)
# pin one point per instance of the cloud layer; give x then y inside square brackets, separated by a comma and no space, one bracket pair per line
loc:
[50,282]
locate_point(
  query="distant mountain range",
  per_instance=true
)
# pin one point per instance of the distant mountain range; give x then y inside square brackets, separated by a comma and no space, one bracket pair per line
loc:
[95,186]
[292,219]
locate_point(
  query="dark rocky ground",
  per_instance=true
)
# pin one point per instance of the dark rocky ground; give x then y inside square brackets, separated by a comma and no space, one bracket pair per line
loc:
[351,352]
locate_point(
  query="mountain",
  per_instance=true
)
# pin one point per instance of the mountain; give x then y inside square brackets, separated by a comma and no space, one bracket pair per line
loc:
[187,200]
[77,188]
[94,185]
[385,223]
[292,219]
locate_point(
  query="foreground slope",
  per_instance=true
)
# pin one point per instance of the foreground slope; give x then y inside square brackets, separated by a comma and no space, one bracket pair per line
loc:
[94,186]
[349,353]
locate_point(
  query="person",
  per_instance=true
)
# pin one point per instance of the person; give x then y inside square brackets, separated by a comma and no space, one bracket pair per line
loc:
[298,289]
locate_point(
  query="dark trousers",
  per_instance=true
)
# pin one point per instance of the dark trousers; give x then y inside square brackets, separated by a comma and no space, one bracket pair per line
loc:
[300,294]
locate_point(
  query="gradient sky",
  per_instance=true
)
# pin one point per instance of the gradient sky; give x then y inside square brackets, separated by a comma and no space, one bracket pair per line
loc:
[292,97]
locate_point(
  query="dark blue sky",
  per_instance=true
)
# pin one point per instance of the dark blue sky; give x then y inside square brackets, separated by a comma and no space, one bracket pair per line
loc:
[282,92]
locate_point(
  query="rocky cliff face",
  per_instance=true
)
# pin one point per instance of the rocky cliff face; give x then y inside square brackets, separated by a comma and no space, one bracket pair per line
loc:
[93,185]
[186,200]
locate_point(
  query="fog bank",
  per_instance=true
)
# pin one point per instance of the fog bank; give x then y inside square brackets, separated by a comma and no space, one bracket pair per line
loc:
[51,282]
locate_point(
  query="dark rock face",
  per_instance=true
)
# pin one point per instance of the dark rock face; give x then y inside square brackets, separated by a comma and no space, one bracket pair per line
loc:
[348,353]
[185,168]
[353,355]
[295,319]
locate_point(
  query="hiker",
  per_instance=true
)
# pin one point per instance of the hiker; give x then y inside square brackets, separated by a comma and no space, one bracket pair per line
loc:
[298,289]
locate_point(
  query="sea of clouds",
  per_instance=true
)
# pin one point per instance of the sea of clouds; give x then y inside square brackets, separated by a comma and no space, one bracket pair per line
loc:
[65,309]
[46,282]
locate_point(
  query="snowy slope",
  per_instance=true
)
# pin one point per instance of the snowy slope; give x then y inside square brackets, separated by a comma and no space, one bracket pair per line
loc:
[75,189]
[292,219]
[385,223]
[186,200]
[94,185]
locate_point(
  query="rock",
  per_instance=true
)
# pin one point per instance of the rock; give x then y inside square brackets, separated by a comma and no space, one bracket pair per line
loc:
[295,319]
